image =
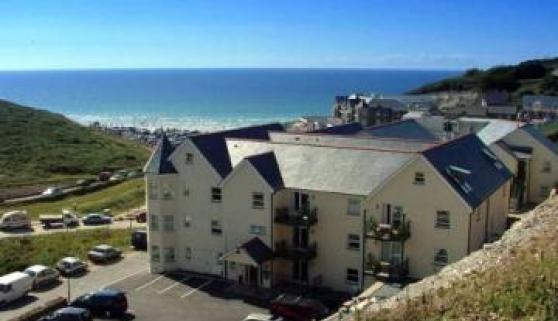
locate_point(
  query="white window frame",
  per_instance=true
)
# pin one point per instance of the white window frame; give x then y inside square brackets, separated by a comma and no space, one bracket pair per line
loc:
[166,192]
[188,253]
[353,242]
[441,257]
[216,227]
[153,190]
[155,253]
[154,222]
[352,276]
[168,223]
[420,178]
[169,254]
[257,229]
[258,200]
[189,159]
[354,206]
[442,223]
[216,195]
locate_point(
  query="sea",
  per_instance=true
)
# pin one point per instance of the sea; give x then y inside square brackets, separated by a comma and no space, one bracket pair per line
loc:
[200,99]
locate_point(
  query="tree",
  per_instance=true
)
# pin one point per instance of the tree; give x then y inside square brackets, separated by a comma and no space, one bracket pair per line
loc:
[530,70]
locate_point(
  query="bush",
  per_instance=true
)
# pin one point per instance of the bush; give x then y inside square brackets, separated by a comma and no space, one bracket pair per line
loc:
[530,70]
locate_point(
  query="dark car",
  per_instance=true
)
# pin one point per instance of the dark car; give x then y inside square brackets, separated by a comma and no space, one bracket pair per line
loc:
[104,253]
[139,239]
[68,314]
[141,217]
[96,219]
[297,308]
[85,182]
[105,301]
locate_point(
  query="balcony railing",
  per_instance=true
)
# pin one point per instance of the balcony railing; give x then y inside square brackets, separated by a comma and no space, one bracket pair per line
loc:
[388,271]
[295,252]
[302,217]
[389,232]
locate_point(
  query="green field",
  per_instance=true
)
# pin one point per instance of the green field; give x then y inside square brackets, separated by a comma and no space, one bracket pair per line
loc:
[38,147]
[47,249]
[118,198]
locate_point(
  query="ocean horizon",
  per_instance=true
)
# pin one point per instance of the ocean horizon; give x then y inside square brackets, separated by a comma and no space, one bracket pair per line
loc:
[200,99]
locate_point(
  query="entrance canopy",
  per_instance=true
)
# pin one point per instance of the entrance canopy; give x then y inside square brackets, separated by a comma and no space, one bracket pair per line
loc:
[253,252]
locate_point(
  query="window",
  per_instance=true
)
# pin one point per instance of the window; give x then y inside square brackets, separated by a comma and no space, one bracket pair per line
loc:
[216,195]
[155,255]
[169,254]
[419,178]
[257,200]
[219,260]
[544,191]
[257,229]
[152,190]
[441,257]
[353,241]
[168,223]
[188,253]
[154,222]
[187,221]
[547,168]
[442,219]
[186,192]
[189,158]
[166,192]
[353,206]
[352,276]
[216,227]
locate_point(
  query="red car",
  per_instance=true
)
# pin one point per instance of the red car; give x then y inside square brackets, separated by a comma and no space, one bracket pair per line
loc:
[141,217]
[297,308]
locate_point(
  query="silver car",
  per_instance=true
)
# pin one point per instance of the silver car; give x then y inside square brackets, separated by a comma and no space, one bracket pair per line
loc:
[42,275]
[71,266]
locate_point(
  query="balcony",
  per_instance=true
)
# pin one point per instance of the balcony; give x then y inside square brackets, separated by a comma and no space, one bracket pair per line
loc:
[387,271]
[388,232]
[295,252]
[302,217]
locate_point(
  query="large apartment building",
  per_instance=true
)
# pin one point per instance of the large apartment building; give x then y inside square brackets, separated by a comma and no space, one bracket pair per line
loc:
[264,207]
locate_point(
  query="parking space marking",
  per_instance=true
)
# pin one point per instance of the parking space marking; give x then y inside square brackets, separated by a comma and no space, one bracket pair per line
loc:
[139,288]
[196,289]
[124,278]
[173,285]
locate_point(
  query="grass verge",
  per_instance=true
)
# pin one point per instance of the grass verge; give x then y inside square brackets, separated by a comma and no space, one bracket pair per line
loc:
[47,249]
[119,198]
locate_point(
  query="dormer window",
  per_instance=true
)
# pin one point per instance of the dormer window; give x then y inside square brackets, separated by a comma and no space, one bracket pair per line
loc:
[459,175]
[492,158]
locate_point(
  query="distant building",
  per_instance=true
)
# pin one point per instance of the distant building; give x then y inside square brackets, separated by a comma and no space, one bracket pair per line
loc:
[312,123]
[498,105]
[540,107]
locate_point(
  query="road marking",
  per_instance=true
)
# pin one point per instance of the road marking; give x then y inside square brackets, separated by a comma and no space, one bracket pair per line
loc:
[124,278]
[196,289]
[172,285]
[149,283]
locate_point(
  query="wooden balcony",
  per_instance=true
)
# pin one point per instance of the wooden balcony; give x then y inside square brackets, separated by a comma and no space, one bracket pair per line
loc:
[389,232]
[295,252]
[387,271]
[303,217]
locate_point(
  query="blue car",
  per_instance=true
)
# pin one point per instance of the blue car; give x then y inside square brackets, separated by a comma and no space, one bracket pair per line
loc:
[105,301]
[69,314]
[96,219]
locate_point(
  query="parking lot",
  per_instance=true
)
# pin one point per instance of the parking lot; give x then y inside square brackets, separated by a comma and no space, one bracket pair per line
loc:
[180,296]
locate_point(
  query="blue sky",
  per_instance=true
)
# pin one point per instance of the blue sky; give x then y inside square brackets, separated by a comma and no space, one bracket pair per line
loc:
[421,34]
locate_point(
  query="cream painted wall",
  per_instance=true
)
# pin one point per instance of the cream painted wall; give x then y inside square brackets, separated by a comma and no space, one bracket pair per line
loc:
[509,161]
[420,204]
[540,154]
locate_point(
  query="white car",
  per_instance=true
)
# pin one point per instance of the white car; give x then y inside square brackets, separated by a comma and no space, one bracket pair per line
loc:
[14,286]
[52,192]
[71,266]
[262,317]
[42,275]
[15,220]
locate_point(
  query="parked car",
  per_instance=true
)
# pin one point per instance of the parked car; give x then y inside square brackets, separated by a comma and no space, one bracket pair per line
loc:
[96,219]
[67,218]
[71,266]
[52,192]
[103,302]
[104,253]
[134,174]
[117,178]
[14,286]
[42,275]
[139,239]
[262,317]
[104,176]
[69,314]
[141,217]
[15,220]
[85,182]
[297,308]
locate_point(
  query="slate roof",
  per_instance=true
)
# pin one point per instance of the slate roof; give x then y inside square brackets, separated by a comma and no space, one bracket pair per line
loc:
[345,129]
[491,130]
[541,138]
[214,148]
[257,250]
[266,165]
[467,153]
[159,162]
[407,129]
[349,170]
[534,102]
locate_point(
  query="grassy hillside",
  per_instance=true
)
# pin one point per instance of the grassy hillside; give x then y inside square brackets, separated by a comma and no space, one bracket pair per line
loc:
[119,198]
[37,146]
[529,77]
[19,253]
